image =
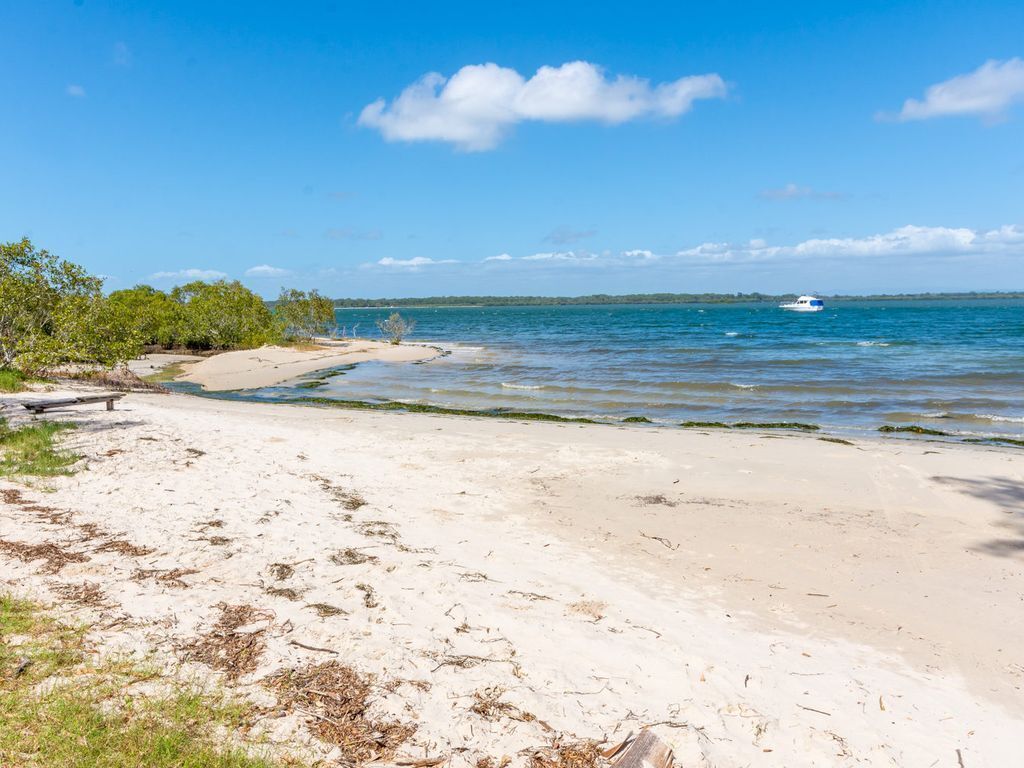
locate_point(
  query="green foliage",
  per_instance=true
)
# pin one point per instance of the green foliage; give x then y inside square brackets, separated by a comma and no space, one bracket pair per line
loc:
[53,312]
[155,316]
[395,328]
[31,450]
[303,315]
[58,710]
[223,315]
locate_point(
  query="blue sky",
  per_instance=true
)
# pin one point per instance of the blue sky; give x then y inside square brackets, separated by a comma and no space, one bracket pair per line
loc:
[723,147]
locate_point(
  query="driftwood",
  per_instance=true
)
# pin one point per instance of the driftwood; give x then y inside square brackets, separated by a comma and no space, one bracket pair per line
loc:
[645,751]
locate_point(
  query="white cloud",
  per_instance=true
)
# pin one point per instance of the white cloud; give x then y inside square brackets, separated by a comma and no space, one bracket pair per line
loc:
[189,274]
[987,91]
[904,241]
[794,192]
[908,241]
[265,270]
[75,91]
[415,263]
[476,106]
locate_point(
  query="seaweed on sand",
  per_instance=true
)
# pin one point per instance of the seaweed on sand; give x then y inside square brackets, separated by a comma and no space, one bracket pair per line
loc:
[55,557]
[391,405]
[912,429]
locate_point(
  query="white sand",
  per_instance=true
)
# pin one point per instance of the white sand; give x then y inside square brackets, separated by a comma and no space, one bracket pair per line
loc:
[267,366]
[805,603]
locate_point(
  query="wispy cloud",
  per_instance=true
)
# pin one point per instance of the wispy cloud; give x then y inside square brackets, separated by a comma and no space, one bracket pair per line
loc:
[795,192]
[121,55]
[413,264]
[904,242]
[189,274]
[265,270]
[566,236]
[75,91]
[345,233]
[479,104]
[988,92]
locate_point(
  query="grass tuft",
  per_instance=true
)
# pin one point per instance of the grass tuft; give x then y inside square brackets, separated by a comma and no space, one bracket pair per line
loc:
[58,710]
[11,380]
[31,450]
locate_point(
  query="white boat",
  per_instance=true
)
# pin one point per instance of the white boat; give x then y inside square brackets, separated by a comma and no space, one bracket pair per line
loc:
[804,304]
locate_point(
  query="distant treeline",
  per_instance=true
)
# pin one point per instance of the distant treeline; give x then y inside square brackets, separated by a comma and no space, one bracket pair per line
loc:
[648,298]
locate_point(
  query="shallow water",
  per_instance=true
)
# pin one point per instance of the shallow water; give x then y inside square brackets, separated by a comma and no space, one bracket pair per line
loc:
[957,366]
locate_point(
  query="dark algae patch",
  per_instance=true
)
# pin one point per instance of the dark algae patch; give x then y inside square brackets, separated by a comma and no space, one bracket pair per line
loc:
[995,441]
[913,429]
[637,420]
[391,405]
[800,426]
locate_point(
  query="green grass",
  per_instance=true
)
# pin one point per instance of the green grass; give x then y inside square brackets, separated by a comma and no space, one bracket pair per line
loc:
[167,373]
[752,425]
[391,405]
[31,450]
[62,711]
[913,429]
[11,380]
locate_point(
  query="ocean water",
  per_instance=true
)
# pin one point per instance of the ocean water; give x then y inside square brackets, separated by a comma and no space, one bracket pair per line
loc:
[957,366]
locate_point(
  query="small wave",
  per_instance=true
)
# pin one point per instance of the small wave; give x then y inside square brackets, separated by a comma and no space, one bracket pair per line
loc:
[731,333]
[994,417]
[506,385]
[872,344]
[742,386]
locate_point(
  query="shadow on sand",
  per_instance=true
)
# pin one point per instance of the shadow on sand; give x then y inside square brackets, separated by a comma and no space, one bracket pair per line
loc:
[1008,495]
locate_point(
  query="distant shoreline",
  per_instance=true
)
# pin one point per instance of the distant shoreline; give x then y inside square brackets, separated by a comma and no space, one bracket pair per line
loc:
[438,302]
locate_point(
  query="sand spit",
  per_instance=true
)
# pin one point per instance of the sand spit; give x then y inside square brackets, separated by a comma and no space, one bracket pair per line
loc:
[268,366]
[473,589]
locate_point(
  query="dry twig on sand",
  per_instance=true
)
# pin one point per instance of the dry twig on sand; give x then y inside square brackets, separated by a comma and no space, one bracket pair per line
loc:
[55,557]
[170,577]
[227,649]
[337,700]
[349,556]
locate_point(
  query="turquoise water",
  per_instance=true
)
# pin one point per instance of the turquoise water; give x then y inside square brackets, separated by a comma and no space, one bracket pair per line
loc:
[957,366]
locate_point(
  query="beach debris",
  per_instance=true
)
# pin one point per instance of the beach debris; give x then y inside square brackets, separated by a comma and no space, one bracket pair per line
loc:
[426,762]
[280,571]
[658,499]
[86,594]
[661,540]
[488,704]
[531,596]
[123,547]
[286,592]
[369,596]
[235,643]
[489,762]
[380,529]
[297,644]
[336,699]
[171,577]
[350,500]
[195,452]
[573,754]
[349,556]
[324,610]
[468,661]
[55,558]
[644,751]
[218,541]
[592,608]
[474,576]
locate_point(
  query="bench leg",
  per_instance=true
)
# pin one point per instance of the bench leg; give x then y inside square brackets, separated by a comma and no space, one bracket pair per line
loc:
[110,405]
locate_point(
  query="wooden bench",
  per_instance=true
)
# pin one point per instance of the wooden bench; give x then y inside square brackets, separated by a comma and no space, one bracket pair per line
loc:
[41,406]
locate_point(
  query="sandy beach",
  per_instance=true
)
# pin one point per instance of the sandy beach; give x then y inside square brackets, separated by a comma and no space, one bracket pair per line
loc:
[268,366]
[758,599]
